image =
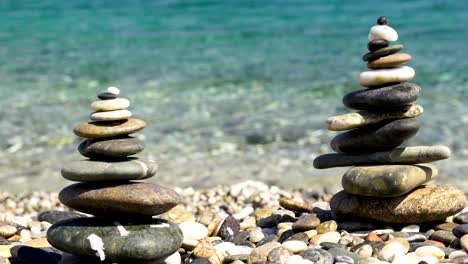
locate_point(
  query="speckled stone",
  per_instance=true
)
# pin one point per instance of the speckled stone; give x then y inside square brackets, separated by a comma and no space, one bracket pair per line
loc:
[317,256]
[93,170]
[142,244]
[408,155]
[109,129]
[379,137]
[382,52]
[391,97]
[424,204]
[133,198]
[390,61]
[364,118]
[113,148]
[386,180]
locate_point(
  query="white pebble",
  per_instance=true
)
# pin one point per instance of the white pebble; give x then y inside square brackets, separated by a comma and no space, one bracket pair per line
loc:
[430,251]
[239,250]
[256,235]
[365,251]
[388,252]
[457,254]
[295,246]
[296,259]
[243,213]
[113,90]
[173,259]
[384,76]
[224,246]
[382,32]
[333,237]
[410,228]
[193,230]
[430,259]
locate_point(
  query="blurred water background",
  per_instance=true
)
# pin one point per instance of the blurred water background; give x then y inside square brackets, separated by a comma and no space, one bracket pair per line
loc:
[230,90]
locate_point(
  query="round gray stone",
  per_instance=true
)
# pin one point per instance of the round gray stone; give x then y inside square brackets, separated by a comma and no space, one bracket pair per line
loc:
[93,170]
[147,240]
[383,98]
[108,149]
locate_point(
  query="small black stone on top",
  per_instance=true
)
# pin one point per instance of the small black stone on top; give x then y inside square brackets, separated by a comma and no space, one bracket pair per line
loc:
[382,20]
[377,44]
[106,96]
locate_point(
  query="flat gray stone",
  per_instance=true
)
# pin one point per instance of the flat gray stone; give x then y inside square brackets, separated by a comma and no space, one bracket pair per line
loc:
[408,155]
[147,239]
[386,180]
[93,170]
[113,148]
[373,138]
[384,98]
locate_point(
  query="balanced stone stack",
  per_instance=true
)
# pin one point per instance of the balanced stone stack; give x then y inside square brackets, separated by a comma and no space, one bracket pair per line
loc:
[387,182]
[123,229]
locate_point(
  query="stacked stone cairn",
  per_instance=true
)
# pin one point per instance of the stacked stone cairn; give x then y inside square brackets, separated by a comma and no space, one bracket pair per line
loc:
[387,182]
[123,229]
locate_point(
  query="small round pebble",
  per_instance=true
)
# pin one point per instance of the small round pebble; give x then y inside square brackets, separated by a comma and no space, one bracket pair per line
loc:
[295,246]
[382,20]
[430,251]
[113,90]
[193,230]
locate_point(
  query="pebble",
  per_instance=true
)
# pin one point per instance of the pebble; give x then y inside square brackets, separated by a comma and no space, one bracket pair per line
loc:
[110,115]
[365,251]
[377,44]
[305,223]
[109,129]
[106,96]
[364,118]
[318,256]
[261,253]
[229,227]
[383,136]
[7,231]
[294,246]
[25,254]
[333,237]
[325,227]
[430,201]
[390,61]
[382,32]
[430,251]
[390,250]
[343,252]
[279,255]
[110,105]
[55,216]
[193,230]
[98,171]
[443,236]
[386,76]
[178,214]
[462,218]
[374,55]
[386,180]
[113,90]
[446,226]
[111,198]
[296,259]
[175,258]
[296,204]
[464,242]
[460,230]
[344,259]
[382,20]
[256,235]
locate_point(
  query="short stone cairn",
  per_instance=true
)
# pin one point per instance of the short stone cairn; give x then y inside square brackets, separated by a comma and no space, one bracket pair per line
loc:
[122,229]
[387,182]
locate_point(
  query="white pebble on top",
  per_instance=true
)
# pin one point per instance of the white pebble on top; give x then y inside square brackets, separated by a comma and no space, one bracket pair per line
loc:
[383,32]
[113,90]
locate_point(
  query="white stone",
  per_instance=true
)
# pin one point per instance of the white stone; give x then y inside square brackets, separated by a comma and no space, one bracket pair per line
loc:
[430,251]
[110,115]
[243,213]
[457,254]
[333,237]
[410,228]
[110,105]
[239,250]
[296,259]
[193,230]
[365,251]
[384,76]
[224,246]
[388,252]
[406,259]
[173,259]
[113,90]
[430,259]
[382,32]
[256,235]
[295,246]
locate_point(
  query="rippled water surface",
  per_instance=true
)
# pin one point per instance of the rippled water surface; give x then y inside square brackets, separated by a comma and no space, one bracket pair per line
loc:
[212,78]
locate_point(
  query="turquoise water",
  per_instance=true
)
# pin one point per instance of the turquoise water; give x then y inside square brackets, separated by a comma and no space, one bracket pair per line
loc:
[208,76]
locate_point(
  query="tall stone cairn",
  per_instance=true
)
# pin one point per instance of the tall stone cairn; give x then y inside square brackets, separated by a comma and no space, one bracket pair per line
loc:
[122,228]
[386,183]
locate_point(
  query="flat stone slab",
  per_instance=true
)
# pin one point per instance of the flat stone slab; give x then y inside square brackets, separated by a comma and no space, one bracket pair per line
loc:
[123,241]
[110,148]
[424,204]
[119,199]
[390,61]
[110,105]
[364,118]
[386,76]
[373,138]
[384,98]
[386,180]
[110,115]
[109,129]
[408,155]
[93,170]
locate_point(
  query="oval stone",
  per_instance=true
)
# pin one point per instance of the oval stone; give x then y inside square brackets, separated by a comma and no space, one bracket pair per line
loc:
[390,61]
[386,180]
[377,44]
[111,115]
[424,204]
[408,155]
[386,76]
[93,170]
[106,96]
[109,129]
[133,198]
[392,97]
[112,148]
[373,138]
[382,32]
[110,105]
[147,240]
[381,52]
